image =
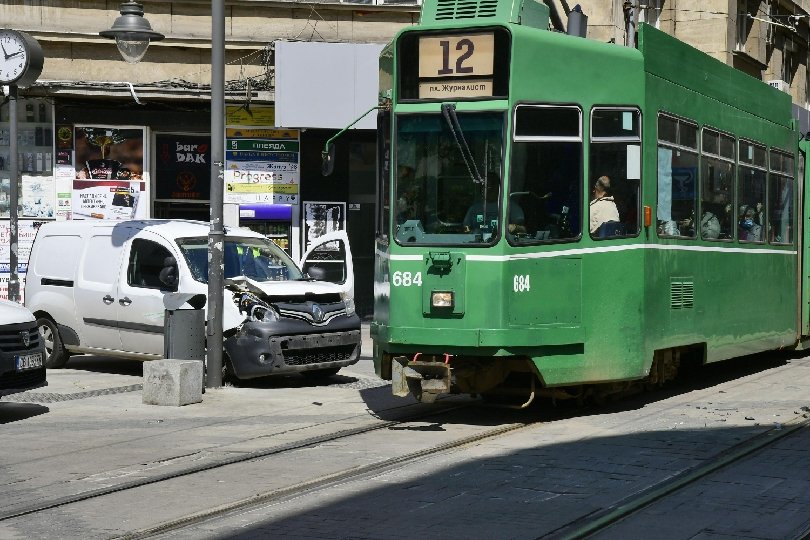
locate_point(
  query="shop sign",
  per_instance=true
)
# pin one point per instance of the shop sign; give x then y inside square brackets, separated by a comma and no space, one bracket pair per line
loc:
[183,167]
[255,115]
[262,166]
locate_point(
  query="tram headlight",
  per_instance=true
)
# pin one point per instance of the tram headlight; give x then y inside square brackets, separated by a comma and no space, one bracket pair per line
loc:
[441,299]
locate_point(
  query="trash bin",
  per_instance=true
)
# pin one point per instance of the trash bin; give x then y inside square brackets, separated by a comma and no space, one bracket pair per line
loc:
[184,334]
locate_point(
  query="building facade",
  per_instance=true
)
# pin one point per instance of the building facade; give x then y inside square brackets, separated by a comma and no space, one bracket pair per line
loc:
[101,138]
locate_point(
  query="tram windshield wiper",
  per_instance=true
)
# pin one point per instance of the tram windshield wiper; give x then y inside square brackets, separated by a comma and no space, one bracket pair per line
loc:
[449,113]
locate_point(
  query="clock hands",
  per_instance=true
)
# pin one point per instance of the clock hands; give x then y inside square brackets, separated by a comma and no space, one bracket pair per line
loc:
[12,55]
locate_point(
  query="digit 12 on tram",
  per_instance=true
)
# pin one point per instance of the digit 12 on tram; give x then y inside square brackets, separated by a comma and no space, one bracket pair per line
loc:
[557,212]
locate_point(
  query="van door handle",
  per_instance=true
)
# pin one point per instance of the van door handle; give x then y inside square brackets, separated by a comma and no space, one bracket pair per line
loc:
[125,301]
[108,299]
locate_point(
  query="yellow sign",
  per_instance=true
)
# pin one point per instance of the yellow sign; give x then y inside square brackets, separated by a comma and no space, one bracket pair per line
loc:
[254,115]
[253,133]
[288,189]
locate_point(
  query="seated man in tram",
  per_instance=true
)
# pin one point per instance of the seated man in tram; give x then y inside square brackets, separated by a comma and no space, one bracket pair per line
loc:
[603,208]
[484,214]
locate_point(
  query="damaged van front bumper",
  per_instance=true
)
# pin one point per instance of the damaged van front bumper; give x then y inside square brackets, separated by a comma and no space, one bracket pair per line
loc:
[258,349]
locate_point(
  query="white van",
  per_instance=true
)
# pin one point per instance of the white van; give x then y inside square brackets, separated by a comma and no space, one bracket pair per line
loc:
[102,287]
[22,351]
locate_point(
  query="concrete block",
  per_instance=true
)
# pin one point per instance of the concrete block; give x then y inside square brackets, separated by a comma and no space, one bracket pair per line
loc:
[172,382]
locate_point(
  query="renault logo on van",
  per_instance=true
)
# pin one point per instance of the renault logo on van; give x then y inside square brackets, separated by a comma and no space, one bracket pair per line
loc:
[26,337]
[317,313]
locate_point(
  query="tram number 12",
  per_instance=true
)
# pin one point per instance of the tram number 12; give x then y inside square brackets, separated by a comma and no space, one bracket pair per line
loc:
[465,45]
[521,283]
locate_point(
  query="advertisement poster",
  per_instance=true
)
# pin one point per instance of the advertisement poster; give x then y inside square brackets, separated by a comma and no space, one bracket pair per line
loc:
[26,231]
[37,196]
[108,173]
[183,168]
[63,179]
[262,165]
[321,218]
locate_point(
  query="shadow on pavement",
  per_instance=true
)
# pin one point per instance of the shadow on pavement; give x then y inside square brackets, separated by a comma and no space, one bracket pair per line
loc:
[14,412]
[105,364]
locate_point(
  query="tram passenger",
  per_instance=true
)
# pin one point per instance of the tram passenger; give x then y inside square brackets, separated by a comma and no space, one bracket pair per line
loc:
[602,207]
[483,213]
[750,230]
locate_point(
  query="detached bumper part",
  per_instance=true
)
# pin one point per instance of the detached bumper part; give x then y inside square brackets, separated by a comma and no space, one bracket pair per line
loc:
[425,380]
[254,356]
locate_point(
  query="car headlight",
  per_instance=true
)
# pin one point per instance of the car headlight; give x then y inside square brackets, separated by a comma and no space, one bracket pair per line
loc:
[348,301]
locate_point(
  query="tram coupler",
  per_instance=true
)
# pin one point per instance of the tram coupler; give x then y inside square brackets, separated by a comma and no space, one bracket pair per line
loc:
[424,380]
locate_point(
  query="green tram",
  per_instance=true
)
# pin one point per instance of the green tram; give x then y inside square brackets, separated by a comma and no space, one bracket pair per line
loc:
[504,265]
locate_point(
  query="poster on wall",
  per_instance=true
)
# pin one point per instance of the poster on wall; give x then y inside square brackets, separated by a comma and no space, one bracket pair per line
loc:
[26,232]
[183,167]
[109,169]
[63,179]
[37,196]
[262,165]
[321,218]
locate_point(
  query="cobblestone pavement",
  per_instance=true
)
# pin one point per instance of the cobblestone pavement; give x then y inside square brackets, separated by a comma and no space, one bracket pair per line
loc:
[529,484]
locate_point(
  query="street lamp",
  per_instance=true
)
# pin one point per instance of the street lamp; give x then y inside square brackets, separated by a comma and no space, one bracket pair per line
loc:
[132,32]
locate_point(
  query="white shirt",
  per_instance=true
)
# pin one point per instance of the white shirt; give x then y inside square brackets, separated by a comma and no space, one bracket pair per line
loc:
[603,209]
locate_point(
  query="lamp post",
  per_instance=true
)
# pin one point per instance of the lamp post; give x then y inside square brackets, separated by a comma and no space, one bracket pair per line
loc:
[132,33]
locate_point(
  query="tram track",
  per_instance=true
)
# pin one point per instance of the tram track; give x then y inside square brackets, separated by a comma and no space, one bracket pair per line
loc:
[303,488]
[592,524]
[222,462]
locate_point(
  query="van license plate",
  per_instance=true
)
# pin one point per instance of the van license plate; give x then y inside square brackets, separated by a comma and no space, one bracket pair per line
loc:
[29,361]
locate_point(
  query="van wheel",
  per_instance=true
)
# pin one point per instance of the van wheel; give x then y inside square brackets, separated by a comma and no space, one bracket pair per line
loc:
[55,354]
[320,373]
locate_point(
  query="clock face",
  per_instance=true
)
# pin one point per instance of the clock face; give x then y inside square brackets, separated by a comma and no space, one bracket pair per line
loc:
[13,56]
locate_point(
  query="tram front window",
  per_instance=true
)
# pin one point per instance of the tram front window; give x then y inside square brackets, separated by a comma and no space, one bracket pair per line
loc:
[448,178]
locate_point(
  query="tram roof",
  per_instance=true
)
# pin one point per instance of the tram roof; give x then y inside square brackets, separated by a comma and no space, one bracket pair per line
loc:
[675,61]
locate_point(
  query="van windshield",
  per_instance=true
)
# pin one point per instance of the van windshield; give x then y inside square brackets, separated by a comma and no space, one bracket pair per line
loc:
[256,258]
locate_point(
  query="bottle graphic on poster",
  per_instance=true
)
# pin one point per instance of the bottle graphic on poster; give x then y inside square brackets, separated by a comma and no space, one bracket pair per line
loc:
[43,117]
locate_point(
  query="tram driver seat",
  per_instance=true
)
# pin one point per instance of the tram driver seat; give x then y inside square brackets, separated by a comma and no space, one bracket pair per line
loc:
[609,229]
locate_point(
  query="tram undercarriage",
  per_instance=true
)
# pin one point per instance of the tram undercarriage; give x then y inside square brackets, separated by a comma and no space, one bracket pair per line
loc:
[515,380]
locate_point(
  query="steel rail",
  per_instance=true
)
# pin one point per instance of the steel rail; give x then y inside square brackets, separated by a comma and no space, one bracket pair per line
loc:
[319,483]
[628,506]
[187,471]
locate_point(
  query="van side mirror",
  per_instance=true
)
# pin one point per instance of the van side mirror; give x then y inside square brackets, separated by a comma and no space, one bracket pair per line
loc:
[328,159]
[168,274]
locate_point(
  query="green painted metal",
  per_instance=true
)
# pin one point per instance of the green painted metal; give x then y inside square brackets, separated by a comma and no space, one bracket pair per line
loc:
[597,310]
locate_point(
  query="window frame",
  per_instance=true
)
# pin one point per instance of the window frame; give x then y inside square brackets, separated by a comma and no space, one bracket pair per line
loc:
[734,162]
[676,146]
[534,139]
[763,168]
[130,272]
[791,175]
[602,140]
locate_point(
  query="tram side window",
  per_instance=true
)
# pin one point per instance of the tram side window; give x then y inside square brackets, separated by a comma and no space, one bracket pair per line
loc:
[615,153]
[751,218]
[717,186]
[677,177]
[780,199]
[546,172]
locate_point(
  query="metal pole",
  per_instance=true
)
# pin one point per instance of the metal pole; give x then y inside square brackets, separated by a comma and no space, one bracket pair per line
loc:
[14,195]
[216,236]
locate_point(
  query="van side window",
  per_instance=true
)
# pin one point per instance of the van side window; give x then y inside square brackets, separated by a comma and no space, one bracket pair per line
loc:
[146,260]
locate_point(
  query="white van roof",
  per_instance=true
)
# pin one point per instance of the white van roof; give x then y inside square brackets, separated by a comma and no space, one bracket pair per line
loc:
[167,228]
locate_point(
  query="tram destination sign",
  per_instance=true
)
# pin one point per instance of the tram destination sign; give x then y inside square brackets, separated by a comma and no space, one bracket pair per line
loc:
[456,65]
